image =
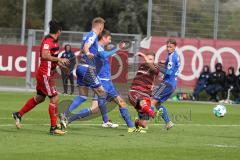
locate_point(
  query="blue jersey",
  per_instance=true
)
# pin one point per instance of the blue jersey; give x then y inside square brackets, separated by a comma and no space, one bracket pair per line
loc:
[105,68]
[172,69]
[92,39]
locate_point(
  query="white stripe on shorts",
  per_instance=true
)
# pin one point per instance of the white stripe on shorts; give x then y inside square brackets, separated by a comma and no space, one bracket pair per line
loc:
[47,85]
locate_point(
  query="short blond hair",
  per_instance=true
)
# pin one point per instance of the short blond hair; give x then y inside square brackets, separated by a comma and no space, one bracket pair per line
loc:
[98,20]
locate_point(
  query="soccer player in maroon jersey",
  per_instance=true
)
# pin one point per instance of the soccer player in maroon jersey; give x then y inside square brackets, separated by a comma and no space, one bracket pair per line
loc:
[141,89]
[49,51]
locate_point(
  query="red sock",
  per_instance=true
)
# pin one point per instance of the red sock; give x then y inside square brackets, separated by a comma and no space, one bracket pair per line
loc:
[146,109]
[53,114]
[31,103]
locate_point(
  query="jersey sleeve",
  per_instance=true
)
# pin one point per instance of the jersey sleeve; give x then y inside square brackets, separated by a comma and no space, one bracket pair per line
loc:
[46,46]
[91,38]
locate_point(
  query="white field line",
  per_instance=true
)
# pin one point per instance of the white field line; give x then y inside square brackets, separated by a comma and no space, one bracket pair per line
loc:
[222,146]
[122,124]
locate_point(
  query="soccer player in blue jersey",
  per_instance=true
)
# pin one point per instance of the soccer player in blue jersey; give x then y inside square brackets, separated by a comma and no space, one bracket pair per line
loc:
[87,77]
[169,83]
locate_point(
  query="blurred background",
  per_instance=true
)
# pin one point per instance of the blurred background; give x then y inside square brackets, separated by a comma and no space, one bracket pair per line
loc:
[146,23]
[218,19]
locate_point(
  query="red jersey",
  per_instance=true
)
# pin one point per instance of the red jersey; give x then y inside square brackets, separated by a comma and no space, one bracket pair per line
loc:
[143,81]
[50,44]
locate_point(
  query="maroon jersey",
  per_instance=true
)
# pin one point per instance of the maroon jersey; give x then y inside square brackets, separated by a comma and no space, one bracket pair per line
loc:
[143,81]
[50,44]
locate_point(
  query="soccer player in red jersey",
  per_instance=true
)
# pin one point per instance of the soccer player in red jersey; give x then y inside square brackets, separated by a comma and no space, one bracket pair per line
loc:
[49,51]
[141,89]
[141,93]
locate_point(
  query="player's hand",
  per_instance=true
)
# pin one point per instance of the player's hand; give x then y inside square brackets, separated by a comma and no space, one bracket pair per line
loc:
[122,45]
[64,61]
[140,54]
[90,55]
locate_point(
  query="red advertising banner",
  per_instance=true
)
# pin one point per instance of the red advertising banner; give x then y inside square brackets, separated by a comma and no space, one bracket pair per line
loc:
[195,53]
[13,62]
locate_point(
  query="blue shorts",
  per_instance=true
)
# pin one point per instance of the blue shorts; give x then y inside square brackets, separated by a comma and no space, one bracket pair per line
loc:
[86,76]
[109,89]
[163,92]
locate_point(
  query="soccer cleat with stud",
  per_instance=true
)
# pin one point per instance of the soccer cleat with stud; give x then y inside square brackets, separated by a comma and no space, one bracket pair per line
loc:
[56,131]
[169,125]
[17,118]
[136,130]
[109,124]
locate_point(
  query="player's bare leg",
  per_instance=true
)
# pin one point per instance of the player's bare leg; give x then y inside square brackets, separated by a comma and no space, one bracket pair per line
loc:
[94,107]
[141,123]
[30,104]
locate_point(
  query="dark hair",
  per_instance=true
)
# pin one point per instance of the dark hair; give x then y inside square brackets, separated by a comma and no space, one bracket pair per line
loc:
[207,67]
[104,33]
[218,65]
[98,20]
[172,41]
[54,27]
[65,47]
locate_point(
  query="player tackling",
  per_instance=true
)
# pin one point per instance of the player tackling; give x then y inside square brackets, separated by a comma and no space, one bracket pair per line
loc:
[140,94]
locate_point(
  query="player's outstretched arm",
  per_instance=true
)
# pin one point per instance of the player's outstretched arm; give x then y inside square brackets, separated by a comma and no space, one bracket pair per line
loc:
[106,54]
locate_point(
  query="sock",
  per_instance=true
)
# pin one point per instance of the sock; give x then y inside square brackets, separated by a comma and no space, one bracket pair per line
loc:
[165,116]
[81,114]
[125,115]
[30,104]
[103,108]
[53,114]
[147,109]
[78,100]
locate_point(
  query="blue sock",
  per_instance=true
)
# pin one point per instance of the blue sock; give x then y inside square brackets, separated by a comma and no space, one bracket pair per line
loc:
[165,116]
[81,114]
[78,100]
[103,108]
[125,115]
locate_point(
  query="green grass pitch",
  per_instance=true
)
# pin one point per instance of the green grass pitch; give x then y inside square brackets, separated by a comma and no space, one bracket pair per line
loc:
[197,135]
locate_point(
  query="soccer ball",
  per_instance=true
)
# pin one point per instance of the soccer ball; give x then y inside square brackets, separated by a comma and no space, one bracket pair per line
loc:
[220,110]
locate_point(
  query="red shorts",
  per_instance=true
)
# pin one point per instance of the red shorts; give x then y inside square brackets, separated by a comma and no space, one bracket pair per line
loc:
[135,95]
[45,85]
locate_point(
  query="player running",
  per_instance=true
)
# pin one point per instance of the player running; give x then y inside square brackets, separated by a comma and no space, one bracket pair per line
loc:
[169,83]
[104,75]
[98,86]
[49,51]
